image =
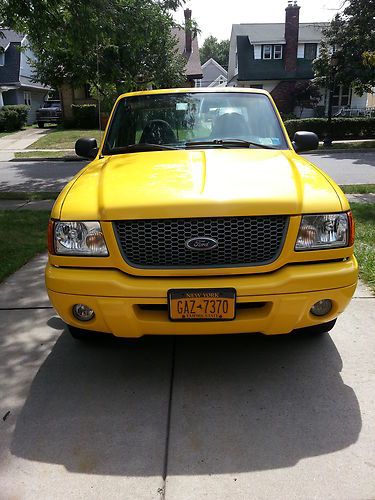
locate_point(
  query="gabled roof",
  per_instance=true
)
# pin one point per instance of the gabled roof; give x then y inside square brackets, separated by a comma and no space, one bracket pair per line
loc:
[215,63]
[275,32]
[193,61]
[8,37]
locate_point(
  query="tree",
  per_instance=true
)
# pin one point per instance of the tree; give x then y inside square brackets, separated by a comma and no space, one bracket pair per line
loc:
[351,34]
[123,38]
[215,49]
[306,95]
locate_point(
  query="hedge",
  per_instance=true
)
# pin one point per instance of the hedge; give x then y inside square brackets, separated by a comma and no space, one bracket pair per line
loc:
[342,128]
[84,116]
[13,117]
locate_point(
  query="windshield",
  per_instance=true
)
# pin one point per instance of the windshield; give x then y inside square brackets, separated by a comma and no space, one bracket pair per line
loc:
[179,120]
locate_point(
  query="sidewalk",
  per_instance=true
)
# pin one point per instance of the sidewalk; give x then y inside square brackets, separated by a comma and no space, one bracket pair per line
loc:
[19,141]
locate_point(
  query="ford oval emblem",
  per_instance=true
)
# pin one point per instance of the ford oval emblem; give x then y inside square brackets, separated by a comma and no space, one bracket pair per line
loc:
[201,244]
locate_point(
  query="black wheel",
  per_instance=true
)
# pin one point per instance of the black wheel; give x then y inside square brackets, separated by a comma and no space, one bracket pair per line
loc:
[41,124]
[317,329]
[87,335]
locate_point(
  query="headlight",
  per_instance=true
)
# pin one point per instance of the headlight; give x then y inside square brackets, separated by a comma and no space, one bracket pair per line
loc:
[325,231]
[79,238]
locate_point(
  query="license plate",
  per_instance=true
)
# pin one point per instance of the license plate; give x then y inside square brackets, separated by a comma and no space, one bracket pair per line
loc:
[202,304]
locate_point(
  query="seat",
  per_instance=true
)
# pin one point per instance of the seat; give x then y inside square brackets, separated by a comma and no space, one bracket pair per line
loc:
[158,132]
[230,126]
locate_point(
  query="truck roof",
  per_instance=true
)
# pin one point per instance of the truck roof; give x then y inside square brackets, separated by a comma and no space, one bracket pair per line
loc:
[206,90]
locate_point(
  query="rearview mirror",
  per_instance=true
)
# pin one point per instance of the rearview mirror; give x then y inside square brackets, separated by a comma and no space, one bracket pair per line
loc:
[305,141]
[86,148]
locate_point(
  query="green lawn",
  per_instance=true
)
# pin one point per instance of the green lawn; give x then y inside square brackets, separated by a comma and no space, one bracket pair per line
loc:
[63,139]
[23,234]
[358,188]
[364,215]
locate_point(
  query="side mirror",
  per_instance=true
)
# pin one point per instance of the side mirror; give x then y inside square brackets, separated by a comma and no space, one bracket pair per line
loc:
[305,141]
[86,148]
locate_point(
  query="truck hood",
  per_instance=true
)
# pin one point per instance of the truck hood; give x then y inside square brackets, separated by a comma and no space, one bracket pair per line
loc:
[198,183]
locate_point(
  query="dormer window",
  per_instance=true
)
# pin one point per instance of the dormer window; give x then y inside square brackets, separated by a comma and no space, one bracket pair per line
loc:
[271,52]
[267,51]
[277,51]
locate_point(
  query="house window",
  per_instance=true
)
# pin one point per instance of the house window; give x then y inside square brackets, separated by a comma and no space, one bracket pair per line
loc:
[277,51]
[342,96]
[311,51]
[267,51]
[2,58]
[27,98]
[198,83]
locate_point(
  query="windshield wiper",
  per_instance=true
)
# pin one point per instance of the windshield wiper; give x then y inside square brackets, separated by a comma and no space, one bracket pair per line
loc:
[138,148]
[227,143]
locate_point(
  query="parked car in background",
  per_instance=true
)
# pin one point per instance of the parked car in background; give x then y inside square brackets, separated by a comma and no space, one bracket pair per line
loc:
[50,112]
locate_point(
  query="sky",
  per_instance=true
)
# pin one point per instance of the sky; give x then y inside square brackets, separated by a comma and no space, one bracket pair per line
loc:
[215,17]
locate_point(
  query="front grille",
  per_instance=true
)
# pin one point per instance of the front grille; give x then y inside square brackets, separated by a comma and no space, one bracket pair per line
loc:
[242,241]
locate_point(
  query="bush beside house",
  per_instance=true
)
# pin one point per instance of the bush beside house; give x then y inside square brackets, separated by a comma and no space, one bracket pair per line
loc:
[13,118]
[84,116]
[342,128]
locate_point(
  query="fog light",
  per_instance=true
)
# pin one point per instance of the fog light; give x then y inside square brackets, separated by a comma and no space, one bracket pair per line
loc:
[82,312]
[322,307]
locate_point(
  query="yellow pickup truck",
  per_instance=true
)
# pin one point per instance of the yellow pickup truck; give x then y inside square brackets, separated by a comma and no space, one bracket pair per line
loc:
[197,215]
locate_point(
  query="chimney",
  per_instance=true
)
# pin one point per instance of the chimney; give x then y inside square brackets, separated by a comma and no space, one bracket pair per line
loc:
[291,35]
[188,37]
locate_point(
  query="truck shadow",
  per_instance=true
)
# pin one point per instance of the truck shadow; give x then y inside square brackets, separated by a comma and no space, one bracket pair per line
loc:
[240,403]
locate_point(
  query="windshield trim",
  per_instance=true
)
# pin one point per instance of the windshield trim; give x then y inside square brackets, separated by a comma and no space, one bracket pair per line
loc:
[105,151]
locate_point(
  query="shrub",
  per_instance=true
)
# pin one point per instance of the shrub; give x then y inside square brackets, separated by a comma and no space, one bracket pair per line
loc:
[85,116]
[342,128]
[13,117]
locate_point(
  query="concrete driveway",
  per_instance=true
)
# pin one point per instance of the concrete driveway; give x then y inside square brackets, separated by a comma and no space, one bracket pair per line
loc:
[227,417]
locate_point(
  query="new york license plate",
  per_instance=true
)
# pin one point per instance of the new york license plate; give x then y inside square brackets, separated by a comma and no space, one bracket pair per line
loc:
[208,304]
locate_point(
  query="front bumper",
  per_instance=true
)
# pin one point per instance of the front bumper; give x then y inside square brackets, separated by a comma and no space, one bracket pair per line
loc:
[132,306]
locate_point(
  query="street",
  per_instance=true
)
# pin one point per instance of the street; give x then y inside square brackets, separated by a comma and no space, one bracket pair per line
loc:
[344,168]
[243,416]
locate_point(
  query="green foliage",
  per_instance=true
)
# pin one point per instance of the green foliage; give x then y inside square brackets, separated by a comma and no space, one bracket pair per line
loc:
[13,117]
[342,128]
[215,49]
[352,32]
[85,116]
[125,38]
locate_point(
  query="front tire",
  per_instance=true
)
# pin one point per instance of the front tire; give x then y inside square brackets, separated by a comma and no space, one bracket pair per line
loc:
[316,329]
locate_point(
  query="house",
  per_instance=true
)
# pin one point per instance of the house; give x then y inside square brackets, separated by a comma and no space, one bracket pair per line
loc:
[16,85]
[274,56]
[188,47]
[214,75]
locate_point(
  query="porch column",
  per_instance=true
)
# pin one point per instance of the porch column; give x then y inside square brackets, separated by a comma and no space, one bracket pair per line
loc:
[1,99]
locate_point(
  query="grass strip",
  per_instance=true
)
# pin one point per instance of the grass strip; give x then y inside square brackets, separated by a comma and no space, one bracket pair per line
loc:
[43,154]
[358,188]
[28,196]
[349,145]
[364,216]
[23,234]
